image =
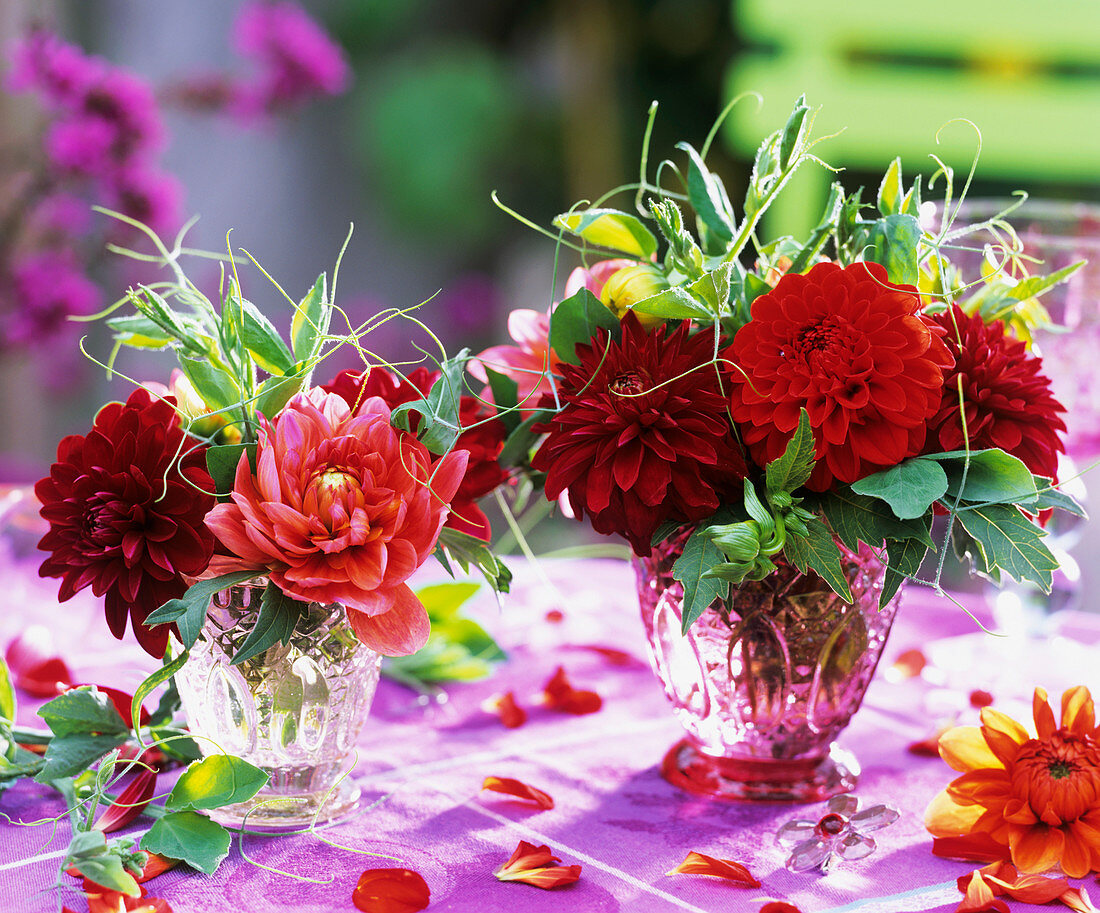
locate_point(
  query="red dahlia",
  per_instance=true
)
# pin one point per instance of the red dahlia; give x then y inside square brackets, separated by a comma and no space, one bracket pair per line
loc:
[126,506]
[642,436]
[483,442]
[854,351]
[1008,403]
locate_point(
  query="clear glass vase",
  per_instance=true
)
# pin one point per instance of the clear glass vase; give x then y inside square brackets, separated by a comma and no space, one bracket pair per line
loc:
[295,710]
[765,681]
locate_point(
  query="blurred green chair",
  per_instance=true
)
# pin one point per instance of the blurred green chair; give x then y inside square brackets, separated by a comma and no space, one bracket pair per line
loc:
[892,75]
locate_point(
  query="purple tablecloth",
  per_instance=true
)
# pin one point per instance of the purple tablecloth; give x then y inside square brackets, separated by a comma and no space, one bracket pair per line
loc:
[424,762]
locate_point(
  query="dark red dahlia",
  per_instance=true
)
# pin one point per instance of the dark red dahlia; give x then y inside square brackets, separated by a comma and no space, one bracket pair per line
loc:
[1008,402]
[642,435]
[854,351]
[126,506]
[484,442]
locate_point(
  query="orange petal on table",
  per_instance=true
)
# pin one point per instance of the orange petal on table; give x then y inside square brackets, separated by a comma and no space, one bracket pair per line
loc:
[1078,899]
[103,900]
[909,664]
[504,706]
[129,803]
[559,694]
[156,865]
[391,891]
[779,906]
[980,897]
[975,847]
[701,864]
[533,865]
[519,790]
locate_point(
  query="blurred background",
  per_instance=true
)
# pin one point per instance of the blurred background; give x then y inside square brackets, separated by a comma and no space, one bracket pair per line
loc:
[287,123]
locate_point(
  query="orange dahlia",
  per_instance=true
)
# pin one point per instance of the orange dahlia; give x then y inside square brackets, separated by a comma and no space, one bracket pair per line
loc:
[1036,799]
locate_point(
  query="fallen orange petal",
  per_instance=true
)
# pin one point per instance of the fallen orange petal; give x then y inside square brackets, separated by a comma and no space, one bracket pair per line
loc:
[701,864]
[157,865]
[909,664]
[391,891]
[559,694]
[504,706]
[519,790]
[979,698]
[103,900]
[1078,899]
[976,847]
[980,898]
[532,865]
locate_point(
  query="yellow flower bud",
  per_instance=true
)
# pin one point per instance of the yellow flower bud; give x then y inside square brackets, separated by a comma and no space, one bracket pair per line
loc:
[630,285]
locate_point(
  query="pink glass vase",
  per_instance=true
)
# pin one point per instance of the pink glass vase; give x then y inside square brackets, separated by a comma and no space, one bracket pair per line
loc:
[765,681]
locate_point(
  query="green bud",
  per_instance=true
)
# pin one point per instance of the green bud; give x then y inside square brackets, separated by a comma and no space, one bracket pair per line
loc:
[738,541]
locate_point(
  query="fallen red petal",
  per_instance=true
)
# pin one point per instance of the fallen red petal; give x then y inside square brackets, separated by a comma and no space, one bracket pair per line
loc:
[102,900]
[519,790]
[391,891]
[157,865]
[909,664]
[974,847]
[980,897]
[613,655]
[701,864]
[35,667]
[129,803]
[980,699]
[559,694]
[779,906]
[1078,899]
[555,616]
[532,865]
[504,706]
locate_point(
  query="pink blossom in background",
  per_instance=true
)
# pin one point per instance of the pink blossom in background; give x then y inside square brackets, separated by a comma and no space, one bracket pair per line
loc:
[529,363]
[128,104]
[62,213]
[150,196]
[297,59]
[58,72]
[49,287]
[80,146]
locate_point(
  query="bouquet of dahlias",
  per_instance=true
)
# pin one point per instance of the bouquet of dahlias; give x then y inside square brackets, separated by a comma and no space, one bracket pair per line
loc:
[782,397]
[243,468]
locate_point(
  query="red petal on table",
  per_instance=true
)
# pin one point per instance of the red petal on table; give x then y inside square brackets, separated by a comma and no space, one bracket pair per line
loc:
[555,616]
[980,897]
[511,714]
[129,803]
[975,847]
[928,747]
[909,664]
[1078,899]
[157,865]
[701,864]
[779,906]
[35,666]
[980,699]
[612,655]
[533,865]
[391,891]
[101,900]
[519,790]
[559,694]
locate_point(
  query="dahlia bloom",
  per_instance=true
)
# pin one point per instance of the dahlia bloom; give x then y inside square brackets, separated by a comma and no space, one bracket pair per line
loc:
[854,351]
[342,508]
[529,363]
[1036,799]
[126,505]
[1007,402]
[641,437]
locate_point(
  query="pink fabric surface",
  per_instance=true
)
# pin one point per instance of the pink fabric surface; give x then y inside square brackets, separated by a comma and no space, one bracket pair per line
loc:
[421,765]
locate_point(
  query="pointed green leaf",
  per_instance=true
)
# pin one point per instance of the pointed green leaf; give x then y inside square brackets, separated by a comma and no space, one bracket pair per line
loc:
[262,339]
[610,228]
[700,555]
[275,623]
[146,688]
[439,410]
[311,319]
[189,611]
[793,137]
[818,550]
[1036,285]
[905,559]
[894,241]
[791,470]
[506,399]
[215,781]
[889,191]
[991,476]
[7,694]
[1011,542]
[858,518]
[139,331]
[275,392]
[221,463]
[577,320]
[910,488]
[218,389]
[1048,498]
[469,551]
[708,198]
[189,837]
[89,853]
[673,303]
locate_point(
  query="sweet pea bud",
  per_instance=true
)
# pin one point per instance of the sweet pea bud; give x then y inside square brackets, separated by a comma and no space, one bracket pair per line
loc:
[630,285]
[740,542]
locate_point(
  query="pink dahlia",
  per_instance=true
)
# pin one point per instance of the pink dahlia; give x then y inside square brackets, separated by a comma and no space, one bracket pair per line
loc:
[126,505]
[854,351]
[642,435]
[1006,399]
[529,362]
[342,508]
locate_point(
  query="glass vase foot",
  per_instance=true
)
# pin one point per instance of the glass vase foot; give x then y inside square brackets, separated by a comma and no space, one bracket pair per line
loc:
[274,813]
[760,779]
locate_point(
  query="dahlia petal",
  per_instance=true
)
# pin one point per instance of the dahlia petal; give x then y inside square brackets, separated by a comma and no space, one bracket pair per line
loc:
[1078,715]
[1077,858]
[1036,849]
[945,817]
[1044,716]
[225,521]
[995,722]
[401,630]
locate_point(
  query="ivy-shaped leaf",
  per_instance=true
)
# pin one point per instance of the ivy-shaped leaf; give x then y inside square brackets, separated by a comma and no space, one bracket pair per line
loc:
[70,755]
[857,518]
[610,228]
[791,470]
[576,321]
[1010,542]
[910,488]
[215,781]
[818,550]
[83,711]
[189,837]
[992,476]
[275,623]
[189,611]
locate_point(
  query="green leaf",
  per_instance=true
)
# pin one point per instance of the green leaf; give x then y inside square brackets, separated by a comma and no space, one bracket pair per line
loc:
[577,320]
[910,488]
[439,410]
[83,711]
[700,555]
[991,476]
[162,675]
[70,755]
[663,531]
[673,303]
[708,198]
[189,837]
[217,388]
[793,137]
[506,399]
[7,694]
[610,228]
[189,611]
[215,781]
[443,600]
[275,392]
[791,470]
[88,851]
[275,623]
[139,332]
[1011,542]
[818,550]
[895,239]
[905,559]
[262,340]
[859,518]
[311,320]
[889,191]
[221,463]
[825,227]
[1036,285]
[714,287]
[467,551]
[1048,498]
